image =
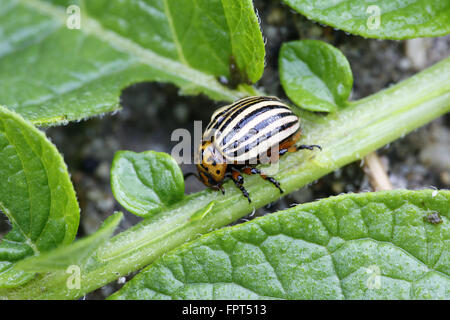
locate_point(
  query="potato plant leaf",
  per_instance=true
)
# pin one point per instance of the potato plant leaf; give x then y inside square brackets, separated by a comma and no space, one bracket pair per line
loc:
[76,253]
[393,19]
[354,246]
[145,183]
[61,62]
[36,195]
[315,75]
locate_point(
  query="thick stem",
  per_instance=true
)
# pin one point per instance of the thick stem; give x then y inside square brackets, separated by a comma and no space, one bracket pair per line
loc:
[345,136]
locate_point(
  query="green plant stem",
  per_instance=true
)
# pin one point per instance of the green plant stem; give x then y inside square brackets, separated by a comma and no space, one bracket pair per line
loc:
[348,135]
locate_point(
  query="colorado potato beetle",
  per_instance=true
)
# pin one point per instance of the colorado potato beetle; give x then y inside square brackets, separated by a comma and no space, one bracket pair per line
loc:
[248,132]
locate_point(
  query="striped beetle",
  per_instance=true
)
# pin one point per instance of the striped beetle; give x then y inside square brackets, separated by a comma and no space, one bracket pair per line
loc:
[250,131]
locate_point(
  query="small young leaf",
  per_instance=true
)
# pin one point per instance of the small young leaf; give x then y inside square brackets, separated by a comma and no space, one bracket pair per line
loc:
[76,253]
[315,75]
[145,183]
[247,43]
[354,246]
[393,19]
[36,195]
[54,70]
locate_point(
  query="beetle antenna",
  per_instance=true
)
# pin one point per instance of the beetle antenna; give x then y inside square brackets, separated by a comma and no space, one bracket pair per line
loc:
[187,175]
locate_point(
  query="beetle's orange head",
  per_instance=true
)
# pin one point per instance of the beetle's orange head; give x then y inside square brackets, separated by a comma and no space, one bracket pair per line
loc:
[212,166]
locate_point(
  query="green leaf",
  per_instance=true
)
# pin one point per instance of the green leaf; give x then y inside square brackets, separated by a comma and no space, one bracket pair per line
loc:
[146,183]
[393,19]
[51,74]
[36,195]
[315,75]
[354,246]
[76,253]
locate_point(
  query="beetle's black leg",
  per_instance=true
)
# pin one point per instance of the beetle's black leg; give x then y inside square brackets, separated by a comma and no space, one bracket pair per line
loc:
[309,147]
[244,192]
[283,151]
[239,181]
[221,188]
[250,170]
[296,148]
